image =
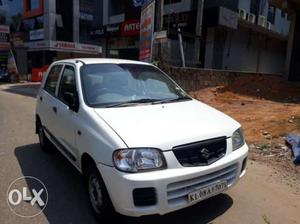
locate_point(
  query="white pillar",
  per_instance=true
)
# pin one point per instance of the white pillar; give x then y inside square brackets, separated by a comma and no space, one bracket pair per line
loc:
[50,19]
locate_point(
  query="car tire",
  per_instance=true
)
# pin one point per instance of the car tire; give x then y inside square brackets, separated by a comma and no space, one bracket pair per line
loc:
[98,195]
[45,143]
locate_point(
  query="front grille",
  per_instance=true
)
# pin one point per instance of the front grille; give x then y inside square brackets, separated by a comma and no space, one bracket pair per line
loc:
[144,196]
[201,153]
[177,192]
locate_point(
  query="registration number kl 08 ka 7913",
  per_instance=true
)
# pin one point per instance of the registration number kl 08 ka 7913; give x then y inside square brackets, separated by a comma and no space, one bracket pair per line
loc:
[207,192]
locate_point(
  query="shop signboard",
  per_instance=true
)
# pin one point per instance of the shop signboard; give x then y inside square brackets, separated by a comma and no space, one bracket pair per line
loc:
[99,33]
[86,16]
[146,31]
[75,47]
[186,21]
[4,34]
[130,28]
[36,34]
[64,47]
[36,45]
[113,30]
[4,38]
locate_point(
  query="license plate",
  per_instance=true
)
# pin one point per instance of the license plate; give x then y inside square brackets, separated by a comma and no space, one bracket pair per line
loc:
[207,192]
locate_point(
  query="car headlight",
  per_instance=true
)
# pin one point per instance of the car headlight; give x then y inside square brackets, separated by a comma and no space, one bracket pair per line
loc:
[138,159]
[238,139]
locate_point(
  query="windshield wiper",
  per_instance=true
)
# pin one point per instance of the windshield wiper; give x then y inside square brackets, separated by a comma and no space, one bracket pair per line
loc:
[183,98]
[128,103]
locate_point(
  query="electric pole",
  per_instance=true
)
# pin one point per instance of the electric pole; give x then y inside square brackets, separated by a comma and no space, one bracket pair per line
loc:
[198,32]
[159,24]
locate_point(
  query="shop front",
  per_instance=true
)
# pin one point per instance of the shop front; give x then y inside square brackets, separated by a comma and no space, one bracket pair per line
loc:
[40,54]
[121,39]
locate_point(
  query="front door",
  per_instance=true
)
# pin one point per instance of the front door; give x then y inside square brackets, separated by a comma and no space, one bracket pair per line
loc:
[66,119]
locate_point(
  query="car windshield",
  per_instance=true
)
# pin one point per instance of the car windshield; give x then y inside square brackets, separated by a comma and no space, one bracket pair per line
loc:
[109,85]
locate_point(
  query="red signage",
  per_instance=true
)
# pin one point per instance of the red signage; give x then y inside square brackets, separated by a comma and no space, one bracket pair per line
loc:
[65,45]
[130,28]
[38,73]
[29,12]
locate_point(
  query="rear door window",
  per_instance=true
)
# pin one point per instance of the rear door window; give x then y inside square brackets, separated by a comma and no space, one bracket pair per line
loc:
[52,79]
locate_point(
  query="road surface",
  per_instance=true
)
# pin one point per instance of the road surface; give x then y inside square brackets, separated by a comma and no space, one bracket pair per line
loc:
[260,197]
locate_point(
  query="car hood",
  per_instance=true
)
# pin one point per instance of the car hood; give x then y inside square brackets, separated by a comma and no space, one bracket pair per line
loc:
[167,125]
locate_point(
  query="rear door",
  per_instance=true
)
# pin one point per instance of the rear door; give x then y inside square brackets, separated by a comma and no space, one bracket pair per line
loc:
[47,98]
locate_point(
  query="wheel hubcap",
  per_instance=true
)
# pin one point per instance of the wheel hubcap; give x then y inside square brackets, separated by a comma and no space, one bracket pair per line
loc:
[95,194]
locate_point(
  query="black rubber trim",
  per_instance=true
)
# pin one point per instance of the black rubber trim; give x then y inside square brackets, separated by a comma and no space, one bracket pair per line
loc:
[64,149]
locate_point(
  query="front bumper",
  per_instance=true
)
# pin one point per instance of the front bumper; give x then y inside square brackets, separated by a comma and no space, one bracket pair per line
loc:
[172,185]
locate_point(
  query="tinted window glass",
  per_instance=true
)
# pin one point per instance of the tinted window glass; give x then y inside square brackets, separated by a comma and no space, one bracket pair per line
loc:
[52,79]
[67,83]
[105,84]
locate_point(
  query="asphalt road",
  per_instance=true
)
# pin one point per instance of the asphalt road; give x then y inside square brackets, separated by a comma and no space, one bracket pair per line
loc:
[260,197]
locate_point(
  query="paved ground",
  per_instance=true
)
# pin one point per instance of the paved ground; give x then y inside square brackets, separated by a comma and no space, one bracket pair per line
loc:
[261,197]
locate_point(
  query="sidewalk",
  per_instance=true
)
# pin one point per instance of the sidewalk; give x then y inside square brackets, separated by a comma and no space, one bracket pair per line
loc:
[27,88]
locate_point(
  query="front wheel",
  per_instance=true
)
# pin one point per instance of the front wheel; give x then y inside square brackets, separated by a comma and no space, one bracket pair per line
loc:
[98,195]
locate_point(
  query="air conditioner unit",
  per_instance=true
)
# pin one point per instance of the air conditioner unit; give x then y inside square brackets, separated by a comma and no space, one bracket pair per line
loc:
[262,21]
[269,25]
[242,14]
[251,18]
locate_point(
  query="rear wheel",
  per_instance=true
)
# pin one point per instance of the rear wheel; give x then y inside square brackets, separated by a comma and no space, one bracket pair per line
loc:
[45,143]
[98,195]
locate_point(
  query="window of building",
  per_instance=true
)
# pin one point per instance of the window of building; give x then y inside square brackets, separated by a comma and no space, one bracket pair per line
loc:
[283,14]
[64,23]
[255,6]
[167,2]
[271,14]
[116,7]
[34,4]
[90,21]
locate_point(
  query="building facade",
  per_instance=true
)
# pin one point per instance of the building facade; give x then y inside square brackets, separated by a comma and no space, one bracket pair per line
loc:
[243,35]
[7,13]
[42,31]
[57,30]
[120,33]
[183,15]
[248,35]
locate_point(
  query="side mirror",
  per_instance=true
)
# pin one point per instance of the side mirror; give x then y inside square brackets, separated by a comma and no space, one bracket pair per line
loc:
[72,101]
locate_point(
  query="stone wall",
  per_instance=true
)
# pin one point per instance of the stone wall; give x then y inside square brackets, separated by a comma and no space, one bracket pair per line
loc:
[193,79]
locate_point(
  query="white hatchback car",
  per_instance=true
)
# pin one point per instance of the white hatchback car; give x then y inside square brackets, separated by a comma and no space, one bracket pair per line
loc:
[143,145]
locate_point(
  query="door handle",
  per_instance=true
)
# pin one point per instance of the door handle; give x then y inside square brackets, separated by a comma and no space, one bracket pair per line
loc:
[54,109]
[41,98]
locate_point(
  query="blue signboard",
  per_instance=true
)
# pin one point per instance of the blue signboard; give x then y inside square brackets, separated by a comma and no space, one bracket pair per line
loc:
[141,3]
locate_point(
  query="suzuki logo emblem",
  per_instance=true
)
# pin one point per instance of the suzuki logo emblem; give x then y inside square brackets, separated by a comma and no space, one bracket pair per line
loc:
[205,153]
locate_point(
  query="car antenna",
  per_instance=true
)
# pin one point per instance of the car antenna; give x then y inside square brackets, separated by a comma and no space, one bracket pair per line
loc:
[77,61]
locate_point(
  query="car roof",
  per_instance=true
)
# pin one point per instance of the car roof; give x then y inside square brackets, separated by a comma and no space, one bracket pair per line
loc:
[101,61]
